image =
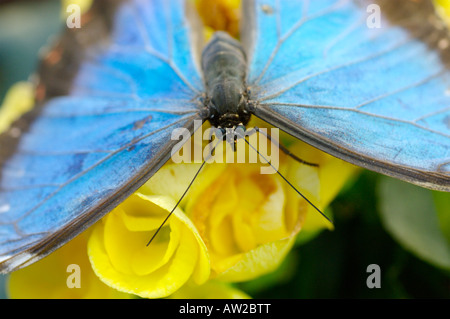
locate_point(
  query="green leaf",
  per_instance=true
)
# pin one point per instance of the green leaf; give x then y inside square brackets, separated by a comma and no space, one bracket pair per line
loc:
[442,203]
[409,214]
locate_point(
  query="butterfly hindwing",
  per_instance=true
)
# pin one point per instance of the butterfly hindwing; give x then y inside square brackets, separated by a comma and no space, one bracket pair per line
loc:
[374,93]
[80,154]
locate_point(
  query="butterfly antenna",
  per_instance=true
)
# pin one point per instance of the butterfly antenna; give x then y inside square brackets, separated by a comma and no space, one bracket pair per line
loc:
[178,203]
[284,178]
[184,194]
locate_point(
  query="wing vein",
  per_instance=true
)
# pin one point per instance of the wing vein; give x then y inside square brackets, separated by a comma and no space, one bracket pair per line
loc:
[26,187]
[297,26]
[98,163]
[168,60]
[113,112]
[117,73]
[357,61]
[356,111]
[432,114]
[408,87]
[343,35]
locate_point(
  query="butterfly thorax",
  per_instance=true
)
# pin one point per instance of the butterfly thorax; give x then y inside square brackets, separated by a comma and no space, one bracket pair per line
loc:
[224,69]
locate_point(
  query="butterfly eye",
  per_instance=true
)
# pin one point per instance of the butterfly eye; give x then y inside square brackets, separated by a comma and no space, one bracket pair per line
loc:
[222,131]
[240,130]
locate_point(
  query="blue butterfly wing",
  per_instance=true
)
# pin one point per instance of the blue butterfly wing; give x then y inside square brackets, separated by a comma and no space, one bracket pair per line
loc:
[80,154]
[376,97]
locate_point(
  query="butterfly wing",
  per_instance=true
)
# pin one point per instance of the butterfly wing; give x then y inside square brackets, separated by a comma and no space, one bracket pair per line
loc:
[324,72]
[76,156]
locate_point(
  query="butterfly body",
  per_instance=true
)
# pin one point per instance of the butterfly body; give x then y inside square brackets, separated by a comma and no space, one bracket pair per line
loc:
[224,70]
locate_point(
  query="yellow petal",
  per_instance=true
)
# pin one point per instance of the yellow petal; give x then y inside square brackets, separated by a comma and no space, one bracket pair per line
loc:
[320,185]
[47,278]
[257,262]
[202,270]
[172,181]
[120,257]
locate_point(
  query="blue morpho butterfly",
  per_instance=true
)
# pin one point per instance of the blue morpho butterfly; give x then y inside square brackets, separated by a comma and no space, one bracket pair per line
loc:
[110,94]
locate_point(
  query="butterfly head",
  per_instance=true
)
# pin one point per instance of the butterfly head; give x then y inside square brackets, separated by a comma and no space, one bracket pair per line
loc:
[232,134]
[227,106]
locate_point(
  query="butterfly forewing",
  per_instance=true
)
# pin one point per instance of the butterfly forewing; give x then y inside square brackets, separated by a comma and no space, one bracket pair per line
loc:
[80,154]
[372,92]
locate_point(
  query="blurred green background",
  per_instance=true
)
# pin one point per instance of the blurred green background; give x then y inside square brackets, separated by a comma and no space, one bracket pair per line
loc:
[25,27]
[402,228]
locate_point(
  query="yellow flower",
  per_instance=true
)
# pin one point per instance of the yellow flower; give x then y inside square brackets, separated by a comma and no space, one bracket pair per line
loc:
[64,274]
[249,220]
[240,215]
[121,258]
